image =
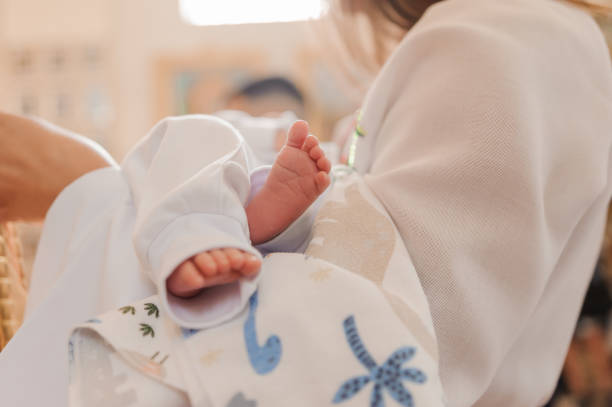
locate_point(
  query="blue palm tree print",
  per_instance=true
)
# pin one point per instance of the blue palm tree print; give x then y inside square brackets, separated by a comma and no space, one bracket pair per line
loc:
[388,376]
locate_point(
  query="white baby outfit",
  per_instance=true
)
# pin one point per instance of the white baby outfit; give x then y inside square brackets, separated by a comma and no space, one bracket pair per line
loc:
[181,191]
[162,205]
[345,323]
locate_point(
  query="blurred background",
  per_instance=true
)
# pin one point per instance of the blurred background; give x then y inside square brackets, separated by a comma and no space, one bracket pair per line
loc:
[109,69]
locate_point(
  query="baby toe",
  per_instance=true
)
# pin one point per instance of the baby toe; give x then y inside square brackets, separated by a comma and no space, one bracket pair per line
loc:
[206,263]
[251,265]
[322,180]
[297,134]
[310,143]
[223,263]
[316,153]
[221,279]
[324,164]
[185,281]
[236,258]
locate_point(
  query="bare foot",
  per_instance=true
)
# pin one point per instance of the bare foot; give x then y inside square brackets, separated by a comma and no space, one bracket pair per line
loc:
[211,268]
[298,176]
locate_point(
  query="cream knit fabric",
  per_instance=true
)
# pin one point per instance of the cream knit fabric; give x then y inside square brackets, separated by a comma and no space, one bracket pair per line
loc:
[488,141]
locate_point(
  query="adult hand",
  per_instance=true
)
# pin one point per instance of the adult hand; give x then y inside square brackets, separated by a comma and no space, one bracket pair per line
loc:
[37,161]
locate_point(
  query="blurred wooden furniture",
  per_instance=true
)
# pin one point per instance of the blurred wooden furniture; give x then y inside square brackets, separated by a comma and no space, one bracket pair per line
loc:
[12,283]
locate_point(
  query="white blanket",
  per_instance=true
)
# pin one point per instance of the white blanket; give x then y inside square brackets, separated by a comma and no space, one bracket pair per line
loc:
[350,326]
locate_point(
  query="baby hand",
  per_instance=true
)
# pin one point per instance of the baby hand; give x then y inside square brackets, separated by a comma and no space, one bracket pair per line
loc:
[210,268]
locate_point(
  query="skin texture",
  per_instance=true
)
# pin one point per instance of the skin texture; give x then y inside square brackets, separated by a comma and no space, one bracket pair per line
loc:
[298,176]
[37,161]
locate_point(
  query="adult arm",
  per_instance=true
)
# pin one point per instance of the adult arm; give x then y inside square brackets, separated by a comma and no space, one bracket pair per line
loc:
[492,157]
[37,161]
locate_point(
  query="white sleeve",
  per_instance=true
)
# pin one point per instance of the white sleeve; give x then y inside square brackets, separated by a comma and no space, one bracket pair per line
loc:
[189,180]
[493,143]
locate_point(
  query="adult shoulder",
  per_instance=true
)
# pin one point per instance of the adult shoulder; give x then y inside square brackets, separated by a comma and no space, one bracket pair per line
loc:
[465,58]
[531,23]
[510,33]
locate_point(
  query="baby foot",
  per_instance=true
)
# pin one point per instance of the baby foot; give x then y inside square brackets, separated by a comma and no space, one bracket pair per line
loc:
[210,268]
[298,176]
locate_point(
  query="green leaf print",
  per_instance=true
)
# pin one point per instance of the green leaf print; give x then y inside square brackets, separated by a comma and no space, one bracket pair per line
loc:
[147,330]
[128,308]
[152,309]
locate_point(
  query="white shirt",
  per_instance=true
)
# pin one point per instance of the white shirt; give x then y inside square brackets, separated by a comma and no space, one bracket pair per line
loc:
[488,138]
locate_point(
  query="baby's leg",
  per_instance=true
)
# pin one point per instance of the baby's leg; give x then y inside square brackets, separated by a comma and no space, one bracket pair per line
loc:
[297,178]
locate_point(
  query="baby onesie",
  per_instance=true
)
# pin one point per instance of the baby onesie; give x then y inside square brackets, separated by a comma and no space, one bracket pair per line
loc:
[115,234]
[346,322]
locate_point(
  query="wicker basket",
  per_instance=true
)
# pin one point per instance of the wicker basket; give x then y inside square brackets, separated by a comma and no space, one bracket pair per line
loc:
[12,283]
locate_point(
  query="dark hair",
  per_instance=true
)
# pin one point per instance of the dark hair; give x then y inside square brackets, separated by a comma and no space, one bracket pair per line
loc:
[403,13]
[271,85]
[386,23]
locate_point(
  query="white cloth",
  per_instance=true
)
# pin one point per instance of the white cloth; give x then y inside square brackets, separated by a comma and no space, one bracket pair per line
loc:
[105,379]
[260,133]
[488,137]
[194,167]
[345,324]
[189,183]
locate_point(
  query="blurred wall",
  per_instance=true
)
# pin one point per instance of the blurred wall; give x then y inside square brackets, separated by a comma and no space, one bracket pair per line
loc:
[132,35]
[145,32]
